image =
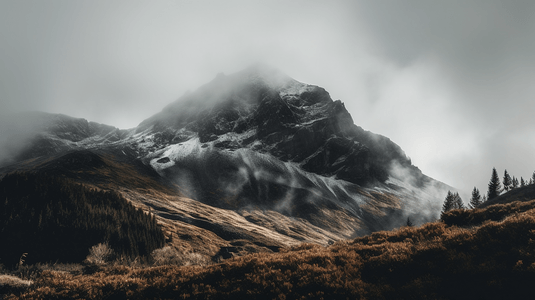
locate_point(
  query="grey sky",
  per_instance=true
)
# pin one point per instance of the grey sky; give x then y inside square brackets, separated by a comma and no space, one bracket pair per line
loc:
[451,82]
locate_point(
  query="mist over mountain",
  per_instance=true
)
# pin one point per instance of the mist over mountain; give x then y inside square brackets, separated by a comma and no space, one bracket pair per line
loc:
[33,134]
[266,111]
[253,161]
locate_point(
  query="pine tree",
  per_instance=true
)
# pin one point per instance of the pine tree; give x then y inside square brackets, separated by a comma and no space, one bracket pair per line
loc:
[507,182]
[457,201]
[495,188]
[448,203]
[515,183]
[484,199]
[409,223]
[522,182]
[533,177]
[452,201]
[476,200]
[530,181]
[64,219]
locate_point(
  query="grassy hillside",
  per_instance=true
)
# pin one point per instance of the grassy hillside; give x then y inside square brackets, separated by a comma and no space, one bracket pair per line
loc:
[467,256]
[523,194]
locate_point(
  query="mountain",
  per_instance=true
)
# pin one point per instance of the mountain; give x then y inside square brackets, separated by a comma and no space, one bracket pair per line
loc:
[34,134]
[265,111]
[249,162]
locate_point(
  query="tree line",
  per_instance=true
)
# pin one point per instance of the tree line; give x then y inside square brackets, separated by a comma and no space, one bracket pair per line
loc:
[454,201]
[55,219]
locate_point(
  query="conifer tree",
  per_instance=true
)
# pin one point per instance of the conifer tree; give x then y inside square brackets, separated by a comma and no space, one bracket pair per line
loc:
[457,201]
[452,201]
[495,187]
[522,182]
[476,198]
[484,199]
[515,183]
[507,182]
[533,177]
[530,181]
[409,223]
[448,203]
[62,220]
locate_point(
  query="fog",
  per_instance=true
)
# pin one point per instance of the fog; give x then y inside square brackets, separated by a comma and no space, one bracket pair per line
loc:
[15,135]
[450,82]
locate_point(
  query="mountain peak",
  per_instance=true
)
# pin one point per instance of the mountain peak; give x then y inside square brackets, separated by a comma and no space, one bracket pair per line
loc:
[267,75]
[242,91]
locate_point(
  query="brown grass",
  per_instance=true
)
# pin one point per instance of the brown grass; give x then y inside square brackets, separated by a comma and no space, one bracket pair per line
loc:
[496,212]
[13,284]
[493,260]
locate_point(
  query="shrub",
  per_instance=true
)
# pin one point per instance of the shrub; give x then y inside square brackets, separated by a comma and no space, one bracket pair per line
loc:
[99,254]
[166,256]
[478,216]
[196,259]
[170,256]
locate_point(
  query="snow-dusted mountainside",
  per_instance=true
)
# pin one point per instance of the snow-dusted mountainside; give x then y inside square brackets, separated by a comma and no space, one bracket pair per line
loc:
[265,111]
[33,134]
[260,138]
[254,156]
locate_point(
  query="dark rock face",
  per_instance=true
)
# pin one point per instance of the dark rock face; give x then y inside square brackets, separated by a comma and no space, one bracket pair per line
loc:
[163,160]
[292,121]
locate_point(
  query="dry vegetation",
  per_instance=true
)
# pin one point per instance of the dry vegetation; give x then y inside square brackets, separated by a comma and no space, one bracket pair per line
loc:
[466,256]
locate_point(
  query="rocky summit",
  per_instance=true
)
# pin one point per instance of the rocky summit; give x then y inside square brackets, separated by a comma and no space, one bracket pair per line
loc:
[251,161]
[268,112]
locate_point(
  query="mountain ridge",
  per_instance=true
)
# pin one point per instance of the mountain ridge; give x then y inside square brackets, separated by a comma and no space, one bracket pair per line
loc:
[290,121]
[259,150]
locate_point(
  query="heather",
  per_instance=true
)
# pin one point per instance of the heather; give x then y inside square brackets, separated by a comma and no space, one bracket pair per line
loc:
[458,258]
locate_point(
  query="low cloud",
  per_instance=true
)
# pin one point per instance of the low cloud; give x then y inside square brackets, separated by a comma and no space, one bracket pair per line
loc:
[17,132]
[427,198]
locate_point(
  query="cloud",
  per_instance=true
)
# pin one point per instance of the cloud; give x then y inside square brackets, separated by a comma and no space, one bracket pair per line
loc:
[459,74]
[449,81]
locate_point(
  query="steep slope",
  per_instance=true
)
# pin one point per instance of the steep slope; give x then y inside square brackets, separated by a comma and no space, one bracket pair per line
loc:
[260,139]
[266,111]
[188,225]
[250,162]
[53,219]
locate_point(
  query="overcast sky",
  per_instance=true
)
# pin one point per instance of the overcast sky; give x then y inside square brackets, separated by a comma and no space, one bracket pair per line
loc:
[451,82]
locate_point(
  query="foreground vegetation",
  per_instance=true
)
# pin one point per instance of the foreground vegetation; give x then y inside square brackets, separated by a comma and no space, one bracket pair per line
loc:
[483,253]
